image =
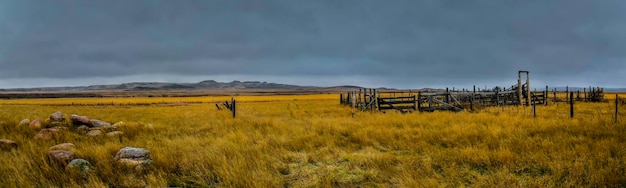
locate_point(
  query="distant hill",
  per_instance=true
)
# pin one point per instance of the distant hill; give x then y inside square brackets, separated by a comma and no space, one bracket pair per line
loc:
[140,86]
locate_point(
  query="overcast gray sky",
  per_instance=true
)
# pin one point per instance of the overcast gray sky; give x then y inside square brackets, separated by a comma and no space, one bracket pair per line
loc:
[403,44]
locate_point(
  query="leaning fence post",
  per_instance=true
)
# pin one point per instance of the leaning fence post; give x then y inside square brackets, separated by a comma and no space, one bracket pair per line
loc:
[571,104]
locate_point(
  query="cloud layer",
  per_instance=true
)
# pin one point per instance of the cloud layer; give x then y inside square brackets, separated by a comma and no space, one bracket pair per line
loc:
[376,43]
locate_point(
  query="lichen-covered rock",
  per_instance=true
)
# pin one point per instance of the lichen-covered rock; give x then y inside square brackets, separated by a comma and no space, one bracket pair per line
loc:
[63,146]
[60,157]
[24,122]
[46,134]
[80,166]
[36,124]
[135,158]
[7,145]
[99,123]
[115,133]
[57,118]
[94,133]
[80,120]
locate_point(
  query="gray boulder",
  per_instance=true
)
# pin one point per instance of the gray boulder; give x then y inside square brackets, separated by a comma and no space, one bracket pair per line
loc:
[99,123]
[80,120]
[83,129]
[57,118]
[24,122]
[94,133]
[134,158]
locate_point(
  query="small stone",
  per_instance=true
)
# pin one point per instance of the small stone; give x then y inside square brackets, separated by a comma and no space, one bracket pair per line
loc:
[80,166]
[119,124]
[63,146]
[99,123]
[133,153]
[7,145]
[57,118]
[136,158]
[46,134]
[83,129]
[24,122]
[80,120]
[115,133]
[60,157]
[36,124]
[94,133]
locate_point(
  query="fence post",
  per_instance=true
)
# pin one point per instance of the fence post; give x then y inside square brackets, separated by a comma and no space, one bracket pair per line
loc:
[447,96]
[419,102]
[545,96]
[340,98]
[571,104]
[566,92]
[534,110]
[616,106]
[234,108]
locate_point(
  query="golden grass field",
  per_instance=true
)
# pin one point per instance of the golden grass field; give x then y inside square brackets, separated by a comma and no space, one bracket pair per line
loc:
[312,141]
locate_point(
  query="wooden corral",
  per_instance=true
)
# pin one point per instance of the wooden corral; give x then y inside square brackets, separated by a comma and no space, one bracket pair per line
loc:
[455,100]
[372,99]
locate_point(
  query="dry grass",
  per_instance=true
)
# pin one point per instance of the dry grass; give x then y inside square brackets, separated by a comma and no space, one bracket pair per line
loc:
[300,141]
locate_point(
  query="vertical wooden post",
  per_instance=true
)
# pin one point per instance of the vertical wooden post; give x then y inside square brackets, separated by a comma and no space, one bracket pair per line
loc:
[447,95]
[359,98]
[528,99]
[571,104]
[419,102]
[545,96]
[519,87]
[497,98]
[234,107]
[534,110]
[566,92]
[472,103]
[414,103]
[585,94]
[340,98]
[616,106]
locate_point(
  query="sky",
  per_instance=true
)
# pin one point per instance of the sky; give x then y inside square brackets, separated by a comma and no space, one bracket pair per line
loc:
[371,43]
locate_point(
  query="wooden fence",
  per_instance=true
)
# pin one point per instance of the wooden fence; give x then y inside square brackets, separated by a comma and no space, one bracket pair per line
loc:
[455,100]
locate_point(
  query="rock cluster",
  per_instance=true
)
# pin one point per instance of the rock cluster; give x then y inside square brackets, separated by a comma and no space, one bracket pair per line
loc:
[84,125]
[62,155]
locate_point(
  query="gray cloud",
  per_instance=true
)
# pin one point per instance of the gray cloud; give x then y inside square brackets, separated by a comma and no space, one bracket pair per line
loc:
[395,43]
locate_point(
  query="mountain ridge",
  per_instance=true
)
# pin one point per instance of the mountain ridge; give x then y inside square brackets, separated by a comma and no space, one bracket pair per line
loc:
[141,86]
